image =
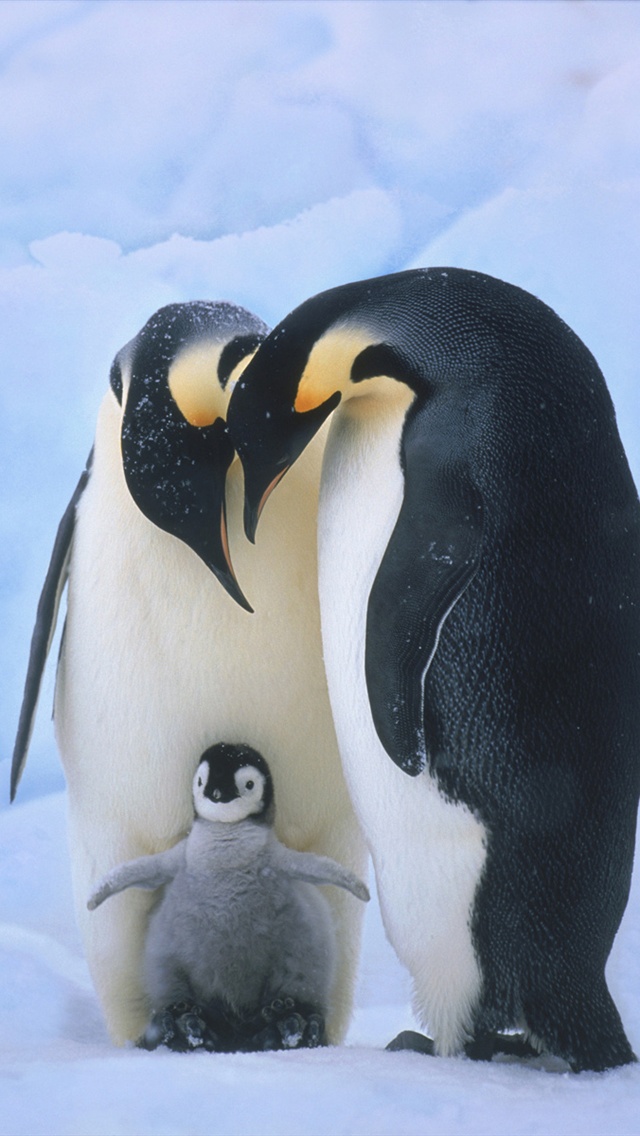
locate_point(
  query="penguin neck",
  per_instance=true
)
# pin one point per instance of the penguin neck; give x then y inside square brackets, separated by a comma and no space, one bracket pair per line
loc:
[238,843]
[362,484]
[361,494]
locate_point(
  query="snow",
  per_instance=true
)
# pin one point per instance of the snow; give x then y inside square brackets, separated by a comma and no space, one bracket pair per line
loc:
[60,1076]
[259,152]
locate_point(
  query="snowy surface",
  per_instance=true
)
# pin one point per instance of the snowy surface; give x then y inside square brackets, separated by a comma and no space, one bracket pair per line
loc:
[59,1075]
[259,152]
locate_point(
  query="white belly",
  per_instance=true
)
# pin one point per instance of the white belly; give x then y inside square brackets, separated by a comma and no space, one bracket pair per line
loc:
[428,853]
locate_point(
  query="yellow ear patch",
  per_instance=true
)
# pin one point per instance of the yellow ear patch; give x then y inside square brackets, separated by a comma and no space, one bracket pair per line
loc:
[329,365]
[193,382]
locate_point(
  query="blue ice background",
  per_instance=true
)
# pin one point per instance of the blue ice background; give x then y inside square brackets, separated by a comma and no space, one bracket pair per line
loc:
[260,152]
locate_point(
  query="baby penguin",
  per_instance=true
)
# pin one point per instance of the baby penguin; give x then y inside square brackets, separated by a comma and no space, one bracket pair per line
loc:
[240,947]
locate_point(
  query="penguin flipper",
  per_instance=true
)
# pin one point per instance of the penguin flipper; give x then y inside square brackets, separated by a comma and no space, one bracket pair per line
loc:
[44,628]
[147,872]
[432,556]
[319,870]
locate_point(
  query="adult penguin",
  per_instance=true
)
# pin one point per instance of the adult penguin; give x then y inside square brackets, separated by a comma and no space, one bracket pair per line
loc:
[479,543]
[157,663]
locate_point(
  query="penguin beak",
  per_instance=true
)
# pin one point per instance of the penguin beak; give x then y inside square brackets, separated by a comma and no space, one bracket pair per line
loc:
[269,438]
[222,568]
[259,484]
[176,475]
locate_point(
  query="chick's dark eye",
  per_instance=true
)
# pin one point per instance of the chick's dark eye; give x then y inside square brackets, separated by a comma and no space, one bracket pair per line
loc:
[250,784]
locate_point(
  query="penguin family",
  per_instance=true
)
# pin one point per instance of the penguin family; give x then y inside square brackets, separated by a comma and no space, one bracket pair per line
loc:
[479,593]
[158,662]
[479,544]
[240,949]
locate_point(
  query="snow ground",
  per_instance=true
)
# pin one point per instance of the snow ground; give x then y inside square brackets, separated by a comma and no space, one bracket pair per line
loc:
[259,152]
[60,1076]
[262,151]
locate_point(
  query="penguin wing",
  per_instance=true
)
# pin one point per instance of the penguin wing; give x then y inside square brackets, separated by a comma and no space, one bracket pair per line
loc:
[45,625]
[148,872]
[432,556]
[318,870]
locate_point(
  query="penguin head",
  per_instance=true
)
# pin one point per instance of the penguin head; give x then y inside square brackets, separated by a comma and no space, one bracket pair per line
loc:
[173,382]
[340,345]
[233,783]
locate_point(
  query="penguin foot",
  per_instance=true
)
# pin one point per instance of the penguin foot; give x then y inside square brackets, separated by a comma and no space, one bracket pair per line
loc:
[416,1042]
[487,1045]
[316,1032]
[301,1028]
[284,1024]
[160,1030]
[259,1032]
[274,1009]
[291,1030]
[181,1027]
[481,1048]
[193,1029]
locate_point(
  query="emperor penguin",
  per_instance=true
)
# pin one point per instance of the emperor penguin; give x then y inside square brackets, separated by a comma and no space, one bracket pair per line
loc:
[479,567]
[157,661]
[240,949]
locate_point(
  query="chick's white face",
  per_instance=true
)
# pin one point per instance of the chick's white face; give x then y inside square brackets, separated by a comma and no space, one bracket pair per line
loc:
[212,805]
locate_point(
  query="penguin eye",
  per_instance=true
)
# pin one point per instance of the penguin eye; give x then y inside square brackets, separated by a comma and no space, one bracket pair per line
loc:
[199,782]
[249,785]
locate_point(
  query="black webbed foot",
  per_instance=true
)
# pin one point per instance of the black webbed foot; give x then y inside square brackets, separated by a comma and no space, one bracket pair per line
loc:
[291,1030]
[284,1024]
[281,1024]
[316,1033]
[160,1031]
[416,1042]
[181,1027]
[481,1048]
[487,1045]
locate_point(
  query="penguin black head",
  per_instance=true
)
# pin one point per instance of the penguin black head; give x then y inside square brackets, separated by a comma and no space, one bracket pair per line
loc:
[437,343]
[233,783]
[321,353]
[173,381]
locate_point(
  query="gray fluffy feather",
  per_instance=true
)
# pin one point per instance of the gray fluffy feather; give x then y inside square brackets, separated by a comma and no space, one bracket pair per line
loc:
[239,919]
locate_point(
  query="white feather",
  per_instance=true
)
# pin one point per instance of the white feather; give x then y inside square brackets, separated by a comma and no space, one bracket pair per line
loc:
[428,852]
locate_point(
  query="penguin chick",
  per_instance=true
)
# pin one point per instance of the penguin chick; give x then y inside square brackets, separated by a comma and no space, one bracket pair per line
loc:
[240,950]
